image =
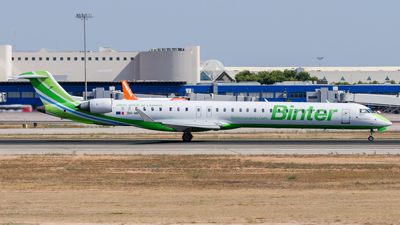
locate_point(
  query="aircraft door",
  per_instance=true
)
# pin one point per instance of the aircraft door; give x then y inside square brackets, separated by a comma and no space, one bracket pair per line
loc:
[209,111]
[198,111]
[345,116]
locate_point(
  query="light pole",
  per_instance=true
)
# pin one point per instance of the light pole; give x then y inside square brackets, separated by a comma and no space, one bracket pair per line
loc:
[320,58]
[84,17]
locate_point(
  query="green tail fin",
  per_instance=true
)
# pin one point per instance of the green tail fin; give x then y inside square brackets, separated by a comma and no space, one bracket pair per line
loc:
[48,89]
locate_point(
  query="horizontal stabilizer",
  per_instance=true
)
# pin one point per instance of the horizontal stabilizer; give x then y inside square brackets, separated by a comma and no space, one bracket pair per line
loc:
[29,76]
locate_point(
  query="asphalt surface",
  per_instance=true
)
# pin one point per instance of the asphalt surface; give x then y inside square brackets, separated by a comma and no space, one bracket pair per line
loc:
[214,147]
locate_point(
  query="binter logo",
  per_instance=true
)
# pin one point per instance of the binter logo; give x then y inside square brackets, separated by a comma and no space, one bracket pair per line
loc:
[281,112]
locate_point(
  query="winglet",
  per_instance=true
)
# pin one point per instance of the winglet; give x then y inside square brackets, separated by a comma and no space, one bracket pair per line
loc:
[128,94]
[145,117]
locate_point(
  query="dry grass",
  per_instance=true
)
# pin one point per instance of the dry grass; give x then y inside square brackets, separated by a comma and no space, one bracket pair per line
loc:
[200,189]
[215,135]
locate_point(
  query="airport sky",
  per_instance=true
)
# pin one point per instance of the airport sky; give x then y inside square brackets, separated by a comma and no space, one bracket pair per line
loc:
[238,33]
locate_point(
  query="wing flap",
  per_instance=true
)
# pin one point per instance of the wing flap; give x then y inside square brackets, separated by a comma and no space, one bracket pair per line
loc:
[181,127]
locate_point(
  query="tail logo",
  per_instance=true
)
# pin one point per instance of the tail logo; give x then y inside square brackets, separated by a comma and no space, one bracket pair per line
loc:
[127,91]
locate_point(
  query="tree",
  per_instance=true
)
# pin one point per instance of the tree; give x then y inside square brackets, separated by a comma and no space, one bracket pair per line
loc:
[265,77]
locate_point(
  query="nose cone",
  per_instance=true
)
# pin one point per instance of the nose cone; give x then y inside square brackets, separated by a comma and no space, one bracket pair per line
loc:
[385,122]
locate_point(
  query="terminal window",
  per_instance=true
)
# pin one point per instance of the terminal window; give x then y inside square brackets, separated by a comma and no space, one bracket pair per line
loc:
[268,94]
[13,95]
[27,94]
[296,94]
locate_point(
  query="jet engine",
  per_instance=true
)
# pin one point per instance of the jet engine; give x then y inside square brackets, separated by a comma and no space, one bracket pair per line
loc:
[100,105]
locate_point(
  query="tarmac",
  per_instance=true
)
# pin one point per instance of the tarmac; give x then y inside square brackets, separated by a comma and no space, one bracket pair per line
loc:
[199,147]
[245,147]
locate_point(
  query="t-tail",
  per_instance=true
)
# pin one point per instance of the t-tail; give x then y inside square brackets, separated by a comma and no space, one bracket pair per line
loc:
[48,90]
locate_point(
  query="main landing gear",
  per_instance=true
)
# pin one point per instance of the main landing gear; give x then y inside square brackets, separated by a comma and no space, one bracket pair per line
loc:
[370,138]
[187,136]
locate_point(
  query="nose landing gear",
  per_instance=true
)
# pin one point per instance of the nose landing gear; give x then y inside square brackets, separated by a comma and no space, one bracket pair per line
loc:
[370,138]
[187,136]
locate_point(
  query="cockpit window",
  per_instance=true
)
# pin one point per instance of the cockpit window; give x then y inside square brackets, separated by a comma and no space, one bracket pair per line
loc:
[366,111]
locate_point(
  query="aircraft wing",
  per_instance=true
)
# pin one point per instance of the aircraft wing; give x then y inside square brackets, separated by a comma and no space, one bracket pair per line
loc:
[180,126]
[187,126]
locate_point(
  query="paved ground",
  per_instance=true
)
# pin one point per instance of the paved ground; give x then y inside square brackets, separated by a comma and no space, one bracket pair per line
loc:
[199,147]
[41,118]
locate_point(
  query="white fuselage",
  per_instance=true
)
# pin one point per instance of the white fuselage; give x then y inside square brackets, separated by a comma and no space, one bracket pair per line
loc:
[247,114]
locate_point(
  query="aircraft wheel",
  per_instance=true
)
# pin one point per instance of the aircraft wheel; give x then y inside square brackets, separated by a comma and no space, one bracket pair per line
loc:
[187,137]
[370,138]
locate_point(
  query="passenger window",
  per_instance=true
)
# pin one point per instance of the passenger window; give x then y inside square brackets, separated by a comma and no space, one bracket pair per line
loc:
[262,110]
[216,109]
[232,110]
[198,109]
[224,109]
[187,109]
[255,110]
[152,108]
[178,109]
[170,108]
[270,110]
[160,109]
[247,110]
[240,109]
[144,108]
[209,109]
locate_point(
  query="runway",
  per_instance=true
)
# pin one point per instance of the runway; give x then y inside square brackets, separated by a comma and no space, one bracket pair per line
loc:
[195,147]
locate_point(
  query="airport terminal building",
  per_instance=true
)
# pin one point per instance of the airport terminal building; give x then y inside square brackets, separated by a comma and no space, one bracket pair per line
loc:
[177,71]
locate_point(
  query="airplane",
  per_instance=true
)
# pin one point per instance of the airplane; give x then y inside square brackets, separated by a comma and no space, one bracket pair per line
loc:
[195,116]
[128,94]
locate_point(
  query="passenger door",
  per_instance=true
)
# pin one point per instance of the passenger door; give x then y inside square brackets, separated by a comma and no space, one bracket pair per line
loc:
[345,116]
[198,111]
[209,111]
